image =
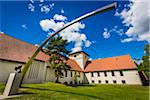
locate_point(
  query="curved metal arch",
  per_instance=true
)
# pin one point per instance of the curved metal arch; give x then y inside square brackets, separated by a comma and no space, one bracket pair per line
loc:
[100,10]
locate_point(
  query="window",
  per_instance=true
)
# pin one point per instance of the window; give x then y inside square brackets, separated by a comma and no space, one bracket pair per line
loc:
[92,75]
[71,73]
[79,74]
[121,73]
[106,81]
[71,82]
[123,81]
[92,81]
[98,74]
[65,73]
[105,73]
[47,66]
[114,81]
[113,74]
[61,72]
[99,81]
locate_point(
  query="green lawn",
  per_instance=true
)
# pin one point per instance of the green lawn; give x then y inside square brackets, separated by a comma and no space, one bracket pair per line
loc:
[52,91]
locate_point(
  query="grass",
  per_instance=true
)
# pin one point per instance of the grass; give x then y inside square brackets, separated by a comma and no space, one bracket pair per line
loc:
[52,91]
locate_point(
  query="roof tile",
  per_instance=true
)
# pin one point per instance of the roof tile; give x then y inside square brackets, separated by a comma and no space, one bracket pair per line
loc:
[114,63]
[17,50]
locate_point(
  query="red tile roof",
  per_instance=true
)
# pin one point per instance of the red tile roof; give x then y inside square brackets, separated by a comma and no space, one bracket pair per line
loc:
[17,50]
[114,63]
[73,64]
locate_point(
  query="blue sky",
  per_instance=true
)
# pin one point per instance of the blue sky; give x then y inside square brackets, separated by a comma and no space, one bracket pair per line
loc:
[18,21]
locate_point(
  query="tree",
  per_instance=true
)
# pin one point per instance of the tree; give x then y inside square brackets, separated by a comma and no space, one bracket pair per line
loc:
[145,64]
[146,60]
[76,75]
[56,48]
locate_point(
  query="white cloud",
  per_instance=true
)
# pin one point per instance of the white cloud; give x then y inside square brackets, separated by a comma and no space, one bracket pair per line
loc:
[51,5]
[46,8]
[72,33]
[138,61]
[143,37]
[59,17]
[115,29]
[106,34]
[31,1]
[31,7]
[93,41]
[90,59]
[76,49]
[50,24]
[37,45]
[41,1]
[127,40]
[24,26]
[1,32]
[87,43]
[137,19]
[62,11]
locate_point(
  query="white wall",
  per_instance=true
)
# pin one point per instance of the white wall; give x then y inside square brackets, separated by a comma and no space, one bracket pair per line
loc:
[6,68]
[130,77]
[39,73]
[68,79]
[80,58]
[50,76]
[35,74]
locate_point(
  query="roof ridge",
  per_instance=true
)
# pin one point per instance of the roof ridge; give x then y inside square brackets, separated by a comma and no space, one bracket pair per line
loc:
[112,57]
[123,62]
[76,63]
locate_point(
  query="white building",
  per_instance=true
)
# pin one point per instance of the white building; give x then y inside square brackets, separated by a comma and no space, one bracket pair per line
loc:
[114,70]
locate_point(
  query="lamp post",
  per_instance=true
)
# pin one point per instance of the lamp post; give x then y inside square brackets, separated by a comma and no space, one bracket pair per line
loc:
[100,10]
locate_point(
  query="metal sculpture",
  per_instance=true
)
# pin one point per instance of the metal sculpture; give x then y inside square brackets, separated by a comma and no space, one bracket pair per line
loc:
[100,10]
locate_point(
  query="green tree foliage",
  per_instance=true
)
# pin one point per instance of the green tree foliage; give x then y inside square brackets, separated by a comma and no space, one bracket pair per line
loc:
[145,65]
[76,76]
[56,48]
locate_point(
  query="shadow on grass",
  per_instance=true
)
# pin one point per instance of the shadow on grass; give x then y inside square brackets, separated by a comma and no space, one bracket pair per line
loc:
[69,92]
[81,85]
[24,92]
